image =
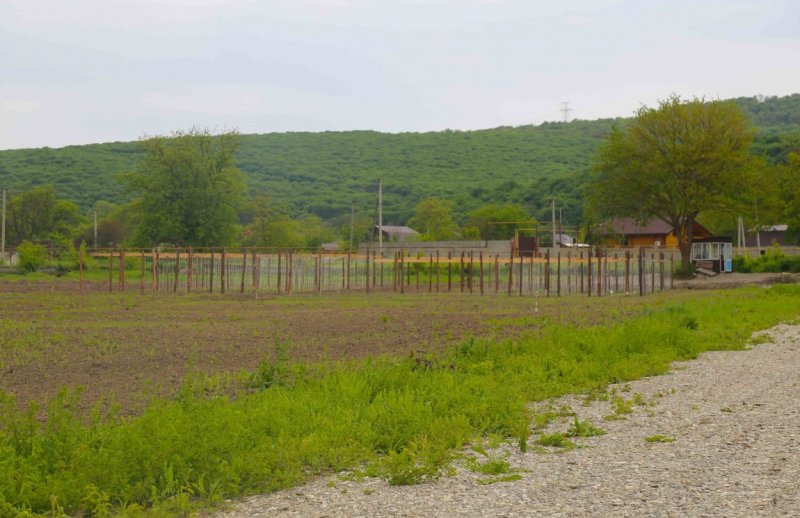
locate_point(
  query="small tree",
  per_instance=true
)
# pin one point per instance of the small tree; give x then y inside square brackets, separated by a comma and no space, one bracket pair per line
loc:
[31,256]
[433,217]
[675,162]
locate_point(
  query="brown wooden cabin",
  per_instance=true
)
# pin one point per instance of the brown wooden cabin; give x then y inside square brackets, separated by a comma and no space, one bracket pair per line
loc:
[656,232]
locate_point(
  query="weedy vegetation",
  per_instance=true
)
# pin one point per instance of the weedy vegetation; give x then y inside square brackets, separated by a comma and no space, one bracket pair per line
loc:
[380,416]
[659,438]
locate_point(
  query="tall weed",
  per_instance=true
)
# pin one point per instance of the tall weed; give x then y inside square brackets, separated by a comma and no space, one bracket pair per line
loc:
[385,416]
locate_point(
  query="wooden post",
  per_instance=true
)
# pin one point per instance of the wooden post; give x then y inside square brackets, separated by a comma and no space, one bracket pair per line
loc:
[437,272]
[141,280]
[627,272]
[671,269]
[211,272]
[510,273]
[652,272]
[177,270]
[589,272]
[521,270]
[569,272]
[480,258]
[461,272]
[121,269]
[469,273]
[599,271]
[430,272]
[641,271]
[347,275]
[531,279]
[244,270]
[496,274]
[558,274]
[547,271]
[278,283]
[383,257]
[189,271]
[580,264]
[416,270]
[156,269]
[395,263]
[289,272]
[661,270]
[374,257]
[110,270]
[255,272]
[449,271]
[80,269]
[222,271]
[402,270]
[366,270]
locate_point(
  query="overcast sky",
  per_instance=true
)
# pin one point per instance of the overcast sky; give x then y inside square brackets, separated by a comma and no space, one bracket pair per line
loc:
[82,71]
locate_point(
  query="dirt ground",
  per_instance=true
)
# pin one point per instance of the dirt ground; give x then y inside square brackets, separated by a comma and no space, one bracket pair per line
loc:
[130,347]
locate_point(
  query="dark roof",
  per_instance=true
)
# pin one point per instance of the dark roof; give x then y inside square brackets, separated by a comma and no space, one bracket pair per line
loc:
[629,227]
[397,231]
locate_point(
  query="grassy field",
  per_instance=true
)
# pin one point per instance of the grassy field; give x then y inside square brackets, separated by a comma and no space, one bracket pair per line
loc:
[188,400]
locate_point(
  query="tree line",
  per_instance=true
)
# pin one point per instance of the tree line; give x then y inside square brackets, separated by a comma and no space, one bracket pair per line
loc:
[683,162]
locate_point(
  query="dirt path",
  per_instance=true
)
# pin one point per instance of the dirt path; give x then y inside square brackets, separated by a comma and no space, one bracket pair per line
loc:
[736,452]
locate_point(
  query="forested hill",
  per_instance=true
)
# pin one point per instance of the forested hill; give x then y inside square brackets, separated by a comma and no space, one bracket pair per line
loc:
[323,172]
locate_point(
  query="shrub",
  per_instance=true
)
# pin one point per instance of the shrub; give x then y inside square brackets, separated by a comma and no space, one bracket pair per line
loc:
[31,257]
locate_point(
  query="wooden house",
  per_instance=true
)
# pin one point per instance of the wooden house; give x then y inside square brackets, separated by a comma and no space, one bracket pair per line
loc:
[626,232]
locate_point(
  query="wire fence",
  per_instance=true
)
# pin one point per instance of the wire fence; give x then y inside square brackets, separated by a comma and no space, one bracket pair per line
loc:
[594,272]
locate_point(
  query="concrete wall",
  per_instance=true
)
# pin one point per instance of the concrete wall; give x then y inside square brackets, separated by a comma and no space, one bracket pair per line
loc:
[502,247]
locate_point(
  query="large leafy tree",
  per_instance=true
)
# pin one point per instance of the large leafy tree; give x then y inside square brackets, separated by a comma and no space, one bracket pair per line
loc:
[433,218]
[788,180]
[38,214]
[189,189]
[676,162]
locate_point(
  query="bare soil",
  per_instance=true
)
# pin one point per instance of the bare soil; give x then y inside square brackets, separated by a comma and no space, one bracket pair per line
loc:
[130,347]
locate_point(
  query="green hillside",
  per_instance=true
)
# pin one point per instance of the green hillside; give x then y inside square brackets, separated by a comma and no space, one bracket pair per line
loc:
[321,173]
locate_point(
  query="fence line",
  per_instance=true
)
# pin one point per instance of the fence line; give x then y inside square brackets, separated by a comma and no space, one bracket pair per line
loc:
[592,272]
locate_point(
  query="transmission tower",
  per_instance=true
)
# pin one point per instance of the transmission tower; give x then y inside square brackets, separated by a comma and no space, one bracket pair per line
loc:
[565,109]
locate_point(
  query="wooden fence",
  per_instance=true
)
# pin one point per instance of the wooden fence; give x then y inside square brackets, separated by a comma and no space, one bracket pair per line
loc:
[595,272]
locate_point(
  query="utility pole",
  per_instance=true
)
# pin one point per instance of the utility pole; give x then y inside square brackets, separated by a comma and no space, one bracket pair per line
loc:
[3,239]
[380,216]
[352,222]
[95,230]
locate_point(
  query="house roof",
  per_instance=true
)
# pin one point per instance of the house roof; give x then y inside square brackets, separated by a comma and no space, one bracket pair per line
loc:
[629,227]
[397,231]
[770,228]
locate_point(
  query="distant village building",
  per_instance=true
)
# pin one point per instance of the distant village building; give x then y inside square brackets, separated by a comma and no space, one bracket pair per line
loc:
[656,232]
[329,247]
[392,233]
[767,235]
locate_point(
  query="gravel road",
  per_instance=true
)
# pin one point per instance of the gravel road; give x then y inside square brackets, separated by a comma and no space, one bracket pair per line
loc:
[734,417]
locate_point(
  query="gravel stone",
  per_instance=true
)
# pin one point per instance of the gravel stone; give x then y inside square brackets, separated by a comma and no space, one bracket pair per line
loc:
[734,417]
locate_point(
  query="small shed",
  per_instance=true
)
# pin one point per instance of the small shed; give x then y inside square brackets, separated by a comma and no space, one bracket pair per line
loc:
[714,253]
[767,235]
[393,233]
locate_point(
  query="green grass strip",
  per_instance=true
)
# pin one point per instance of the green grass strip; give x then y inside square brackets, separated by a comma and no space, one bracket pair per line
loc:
[390,417]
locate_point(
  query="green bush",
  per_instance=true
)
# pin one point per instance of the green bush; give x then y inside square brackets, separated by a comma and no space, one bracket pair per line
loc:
[31,257]
[773,260]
